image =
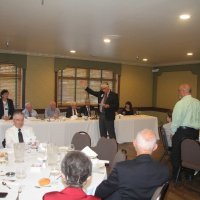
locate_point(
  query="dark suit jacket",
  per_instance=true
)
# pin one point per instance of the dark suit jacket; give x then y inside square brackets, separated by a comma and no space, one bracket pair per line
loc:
[134,179]
[69,112]
[112,100]
[84,110]
[69,193]
[10,108]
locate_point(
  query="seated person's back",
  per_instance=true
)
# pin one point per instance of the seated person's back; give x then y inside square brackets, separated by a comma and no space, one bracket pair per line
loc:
[135,179]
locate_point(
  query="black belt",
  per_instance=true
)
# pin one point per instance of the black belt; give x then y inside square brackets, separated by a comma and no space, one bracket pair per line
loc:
[186,127]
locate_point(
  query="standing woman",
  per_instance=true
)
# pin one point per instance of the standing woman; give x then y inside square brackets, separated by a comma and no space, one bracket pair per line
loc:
[6,106]
[128,109]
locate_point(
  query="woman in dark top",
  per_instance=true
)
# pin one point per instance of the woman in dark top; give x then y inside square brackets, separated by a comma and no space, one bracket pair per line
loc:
[6,106]
[128,109]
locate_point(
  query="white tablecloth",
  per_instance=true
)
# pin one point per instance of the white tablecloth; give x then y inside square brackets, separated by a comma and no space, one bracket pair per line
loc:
[29,191]
[61,132]
[128,126]
[58,132]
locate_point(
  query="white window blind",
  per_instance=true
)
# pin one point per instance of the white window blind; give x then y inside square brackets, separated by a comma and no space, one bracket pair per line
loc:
[11,79]
[70,81]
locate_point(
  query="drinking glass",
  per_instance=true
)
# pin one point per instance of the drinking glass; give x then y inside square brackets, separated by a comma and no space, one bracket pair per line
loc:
[19,150]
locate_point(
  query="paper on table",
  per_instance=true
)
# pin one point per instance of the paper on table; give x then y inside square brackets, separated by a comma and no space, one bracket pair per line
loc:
[89,152]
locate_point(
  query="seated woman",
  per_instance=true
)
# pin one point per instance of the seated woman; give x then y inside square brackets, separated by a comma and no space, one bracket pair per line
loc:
[128,109]
[167,128]
[76,169]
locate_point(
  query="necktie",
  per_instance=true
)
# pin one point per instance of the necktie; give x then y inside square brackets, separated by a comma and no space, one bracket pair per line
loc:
[105,98]
[29,114]
[20,136]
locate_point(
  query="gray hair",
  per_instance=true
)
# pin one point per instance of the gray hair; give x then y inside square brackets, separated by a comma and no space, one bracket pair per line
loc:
[105,85]
[76,167]
[144,141]
[17,113]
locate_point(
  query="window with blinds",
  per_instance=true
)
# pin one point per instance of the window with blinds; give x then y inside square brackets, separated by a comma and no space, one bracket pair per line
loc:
[11,79]
[70,83]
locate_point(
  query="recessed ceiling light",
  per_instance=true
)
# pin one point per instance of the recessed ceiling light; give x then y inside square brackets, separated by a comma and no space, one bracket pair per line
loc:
[189,54]
[184,16]
[72,51]
[145,59]
[106,40]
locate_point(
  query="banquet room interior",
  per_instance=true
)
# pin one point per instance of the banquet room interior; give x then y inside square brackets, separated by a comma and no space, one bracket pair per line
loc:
[144,49]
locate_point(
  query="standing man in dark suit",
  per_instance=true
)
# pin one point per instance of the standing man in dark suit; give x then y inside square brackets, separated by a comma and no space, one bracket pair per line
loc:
[87,108]
[137,178]
[6,106]
[108,104]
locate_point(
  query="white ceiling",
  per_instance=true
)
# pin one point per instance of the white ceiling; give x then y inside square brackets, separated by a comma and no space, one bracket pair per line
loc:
[144,28]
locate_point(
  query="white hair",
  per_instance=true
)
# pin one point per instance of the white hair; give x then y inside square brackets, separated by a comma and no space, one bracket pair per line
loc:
[17,113]
[105,85]
[27,103]
[144,142]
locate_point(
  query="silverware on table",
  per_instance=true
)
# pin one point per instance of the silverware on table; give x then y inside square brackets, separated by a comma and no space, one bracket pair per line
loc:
[5,184]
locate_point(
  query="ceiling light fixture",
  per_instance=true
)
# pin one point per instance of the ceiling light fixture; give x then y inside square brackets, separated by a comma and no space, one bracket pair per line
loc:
[184,16]
[189,54]
[72,51]
[106,40]
[145,59]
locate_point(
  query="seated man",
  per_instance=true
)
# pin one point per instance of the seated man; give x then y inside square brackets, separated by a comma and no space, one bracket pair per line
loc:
[76,170]
[29,111]
[52,111]
[73,110]
[167,128]
[137,178]
[19,133]
[87,108]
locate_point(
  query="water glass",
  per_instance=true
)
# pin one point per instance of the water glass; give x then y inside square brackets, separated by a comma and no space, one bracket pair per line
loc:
[19,150]
[52,154]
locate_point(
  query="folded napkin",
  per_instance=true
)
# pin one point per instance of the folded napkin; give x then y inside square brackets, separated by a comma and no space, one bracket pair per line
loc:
[74,117]
[89,152]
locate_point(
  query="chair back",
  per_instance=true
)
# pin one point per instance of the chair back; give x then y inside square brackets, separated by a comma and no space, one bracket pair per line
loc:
[106,149]
[160,192]
[190,154]
[119,156]
[80,140]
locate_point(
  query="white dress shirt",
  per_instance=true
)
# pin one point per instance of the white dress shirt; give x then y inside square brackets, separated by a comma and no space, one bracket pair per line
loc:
[11,135]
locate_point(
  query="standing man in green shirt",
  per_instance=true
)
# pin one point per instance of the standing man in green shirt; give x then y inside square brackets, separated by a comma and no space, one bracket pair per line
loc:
[185,124]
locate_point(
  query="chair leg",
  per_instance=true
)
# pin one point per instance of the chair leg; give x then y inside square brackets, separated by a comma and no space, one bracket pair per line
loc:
[178,174]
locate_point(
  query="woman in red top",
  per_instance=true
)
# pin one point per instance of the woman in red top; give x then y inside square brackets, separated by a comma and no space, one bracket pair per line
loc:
[76,168]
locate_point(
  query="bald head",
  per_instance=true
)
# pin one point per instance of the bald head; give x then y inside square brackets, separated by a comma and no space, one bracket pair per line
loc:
[184,90]
[145,142]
